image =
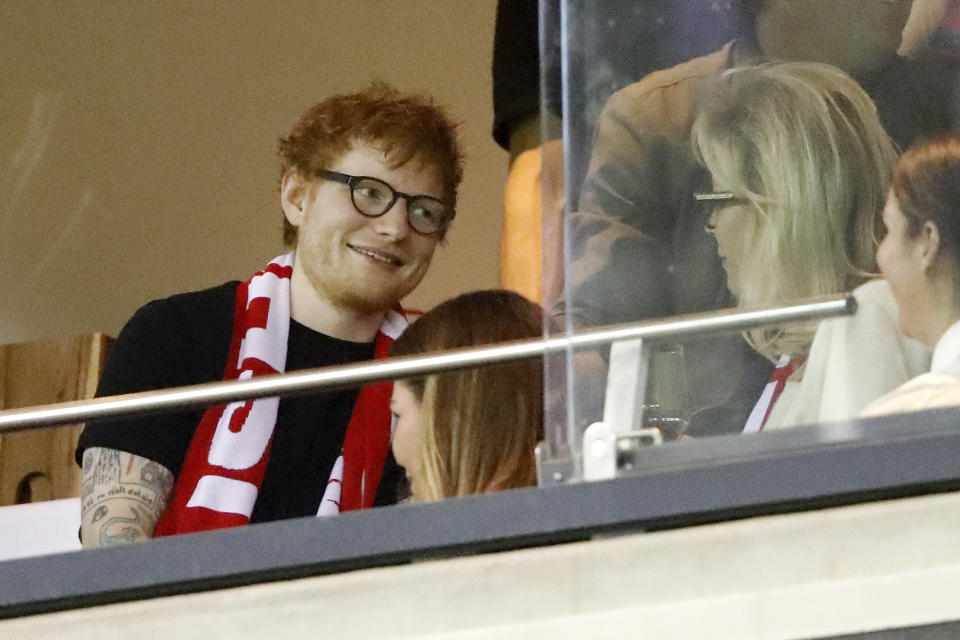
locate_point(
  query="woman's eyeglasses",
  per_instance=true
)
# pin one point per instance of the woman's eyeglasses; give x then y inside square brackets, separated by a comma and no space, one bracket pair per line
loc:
[714,200]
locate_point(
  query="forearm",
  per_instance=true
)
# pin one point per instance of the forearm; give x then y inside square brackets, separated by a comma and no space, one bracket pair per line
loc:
[122,497]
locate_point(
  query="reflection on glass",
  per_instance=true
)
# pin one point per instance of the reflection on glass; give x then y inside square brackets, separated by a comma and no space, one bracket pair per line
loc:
[635,246]
[665,400]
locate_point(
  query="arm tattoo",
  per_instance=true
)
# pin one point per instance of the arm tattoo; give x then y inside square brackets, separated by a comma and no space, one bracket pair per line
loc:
[123,496]
[119,530]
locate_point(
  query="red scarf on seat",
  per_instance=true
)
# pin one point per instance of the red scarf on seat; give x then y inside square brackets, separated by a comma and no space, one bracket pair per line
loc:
[227,458]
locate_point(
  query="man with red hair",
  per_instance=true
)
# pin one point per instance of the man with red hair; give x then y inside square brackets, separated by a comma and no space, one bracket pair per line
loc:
[368,189]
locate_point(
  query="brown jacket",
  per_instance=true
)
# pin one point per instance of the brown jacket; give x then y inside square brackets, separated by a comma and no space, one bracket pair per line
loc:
[636,226]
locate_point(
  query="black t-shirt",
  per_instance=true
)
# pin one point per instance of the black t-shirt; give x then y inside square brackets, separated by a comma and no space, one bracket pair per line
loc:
[185,339]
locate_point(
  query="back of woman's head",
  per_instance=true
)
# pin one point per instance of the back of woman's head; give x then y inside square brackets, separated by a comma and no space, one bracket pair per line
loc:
[801,142]
[926,184]
[480,425]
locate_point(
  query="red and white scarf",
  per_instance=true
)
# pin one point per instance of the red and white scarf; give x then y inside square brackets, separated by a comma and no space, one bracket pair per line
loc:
[785,368]
[227,457]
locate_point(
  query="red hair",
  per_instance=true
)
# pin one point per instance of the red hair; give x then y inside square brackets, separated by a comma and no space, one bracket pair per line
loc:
[404,126]
[926,184]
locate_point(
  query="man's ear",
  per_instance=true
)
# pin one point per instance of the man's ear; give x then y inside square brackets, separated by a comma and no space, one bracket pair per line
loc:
[294,193]
[928,245]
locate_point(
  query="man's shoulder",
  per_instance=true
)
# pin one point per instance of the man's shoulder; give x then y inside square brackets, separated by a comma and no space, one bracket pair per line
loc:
[678,80]
[178,321]
[211,296]
[193,306]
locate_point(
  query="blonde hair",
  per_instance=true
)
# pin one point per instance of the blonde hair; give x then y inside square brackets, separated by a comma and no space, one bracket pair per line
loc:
[802,143]
[480,425]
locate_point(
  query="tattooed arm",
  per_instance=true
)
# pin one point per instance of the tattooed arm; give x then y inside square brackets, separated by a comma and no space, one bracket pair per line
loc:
[122,497]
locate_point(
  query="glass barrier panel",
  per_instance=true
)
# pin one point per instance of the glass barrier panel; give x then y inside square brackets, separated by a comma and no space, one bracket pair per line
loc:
[721,154]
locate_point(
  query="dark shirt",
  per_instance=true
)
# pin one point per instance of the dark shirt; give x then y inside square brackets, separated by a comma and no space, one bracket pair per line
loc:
[185,339]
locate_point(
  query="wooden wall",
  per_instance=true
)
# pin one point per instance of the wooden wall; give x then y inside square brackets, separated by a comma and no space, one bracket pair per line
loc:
[38,464]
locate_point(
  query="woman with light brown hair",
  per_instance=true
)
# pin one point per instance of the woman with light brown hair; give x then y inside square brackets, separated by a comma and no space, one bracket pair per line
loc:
[472,430]
[920,258]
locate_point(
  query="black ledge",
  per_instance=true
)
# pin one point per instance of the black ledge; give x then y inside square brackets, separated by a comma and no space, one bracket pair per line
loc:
[682,484]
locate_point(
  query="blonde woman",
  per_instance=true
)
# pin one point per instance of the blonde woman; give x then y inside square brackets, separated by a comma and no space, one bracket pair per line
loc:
[799,163]
[472,430]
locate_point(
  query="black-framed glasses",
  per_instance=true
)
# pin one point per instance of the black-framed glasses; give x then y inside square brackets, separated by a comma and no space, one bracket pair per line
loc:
[373,197]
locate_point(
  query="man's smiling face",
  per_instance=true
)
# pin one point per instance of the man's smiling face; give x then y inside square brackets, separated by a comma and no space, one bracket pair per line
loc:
[356,262]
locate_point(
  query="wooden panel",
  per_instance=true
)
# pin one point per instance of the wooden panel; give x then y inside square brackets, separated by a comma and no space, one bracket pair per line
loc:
[43,372]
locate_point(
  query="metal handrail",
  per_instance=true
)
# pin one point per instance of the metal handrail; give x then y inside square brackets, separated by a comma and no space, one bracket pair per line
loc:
[358,374]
